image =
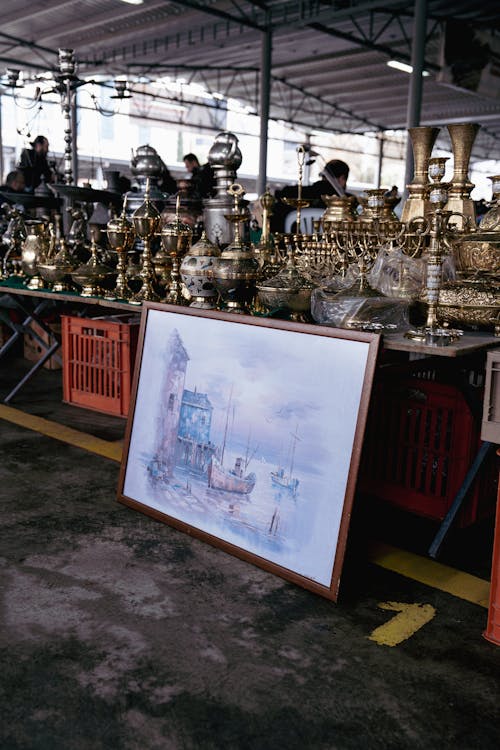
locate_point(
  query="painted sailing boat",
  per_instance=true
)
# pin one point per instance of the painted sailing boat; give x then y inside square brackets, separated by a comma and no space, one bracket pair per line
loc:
[230,480]
[279,477]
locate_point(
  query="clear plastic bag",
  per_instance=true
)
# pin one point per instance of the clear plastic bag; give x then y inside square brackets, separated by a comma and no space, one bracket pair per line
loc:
[349,309]
[396,275]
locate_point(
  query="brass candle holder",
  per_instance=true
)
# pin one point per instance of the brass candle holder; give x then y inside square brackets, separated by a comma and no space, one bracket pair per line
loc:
[146,220]
[299,203]
[440,234]
[121,237]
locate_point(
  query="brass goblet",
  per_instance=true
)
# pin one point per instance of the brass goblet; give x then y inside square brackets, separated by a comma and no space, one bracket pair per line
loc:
[121,236]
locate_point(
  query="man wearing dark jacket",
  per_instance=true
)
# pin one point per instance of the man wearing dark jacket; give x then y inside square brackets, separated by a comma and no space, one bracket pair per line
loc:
[33,163]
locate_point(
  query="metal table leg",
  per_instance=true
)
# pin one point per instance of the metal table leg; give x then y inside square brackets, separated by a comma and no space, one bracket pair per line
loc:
[483,453]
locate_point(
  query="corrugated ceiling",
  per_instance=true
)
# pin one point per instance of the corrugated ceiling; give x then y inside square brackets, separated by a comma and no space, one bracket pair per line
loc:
[329,58]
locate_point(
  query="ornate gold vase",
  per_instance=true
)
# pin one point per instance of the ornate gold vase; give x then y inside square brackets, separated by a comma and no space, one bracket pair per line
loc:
[462,137]
[422,140]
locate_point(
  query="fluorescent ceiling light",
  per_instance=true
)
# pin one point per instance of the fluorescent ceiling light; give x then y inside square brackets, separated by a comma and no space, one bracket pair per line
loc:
[404,67]
[133,2]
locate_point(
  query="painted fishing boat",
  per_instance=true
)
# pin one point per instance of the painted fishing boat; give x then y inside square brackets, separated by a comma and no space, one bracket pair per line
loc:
[280,478]
[230,480]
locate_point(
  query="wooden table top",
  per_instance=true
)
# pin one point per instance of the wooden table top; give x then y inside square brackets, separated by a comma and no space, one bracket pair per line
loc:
[466,344]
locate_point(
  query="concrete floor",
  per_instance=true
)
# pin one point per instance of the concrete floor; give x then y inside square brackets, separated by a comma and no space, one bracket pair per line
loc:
[119,632]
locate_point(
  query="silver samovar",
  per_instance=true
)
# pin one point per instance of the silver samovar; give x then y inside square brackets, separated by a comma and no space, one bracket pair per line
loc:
[145,163]
[225,159]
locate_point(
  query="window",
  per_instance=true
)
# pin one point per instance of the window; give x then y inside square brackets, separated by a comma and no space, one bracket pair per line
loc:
[171,402]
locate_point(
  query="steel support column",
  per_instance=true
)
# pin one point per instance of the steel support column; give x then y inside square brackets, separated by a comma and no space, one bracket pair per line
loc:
[381,141]
[416,80]
[2,176]
[265,97]
[74,136]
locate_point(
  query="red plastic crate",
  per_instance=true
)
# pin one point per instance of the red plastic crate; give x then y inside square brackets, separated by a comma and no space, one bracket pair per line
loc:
[420,441]
[98,362]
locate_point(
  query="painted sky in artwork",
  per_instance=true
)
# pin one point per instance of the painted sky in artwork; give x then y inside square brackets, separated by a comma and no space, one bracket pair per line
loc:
[279,379]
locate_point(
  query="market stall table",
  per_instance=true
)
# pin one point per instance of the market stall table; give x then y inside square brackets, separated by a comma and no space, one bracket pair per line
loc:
[32,305]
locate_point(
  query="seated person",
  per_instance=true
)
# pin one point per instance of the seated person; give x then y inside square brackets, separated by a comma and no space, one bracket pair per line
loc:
[333,182]
[14,182]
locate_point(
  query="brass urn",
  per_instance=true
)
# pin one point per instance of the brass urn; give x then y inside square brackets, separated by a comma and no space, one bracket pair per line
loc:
[236,271]
[197,273]
[338,208]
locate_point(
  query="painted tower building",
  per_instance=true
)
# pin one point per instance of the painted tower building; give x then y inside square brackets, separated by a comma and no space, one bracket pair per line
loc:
[175,362]
[194,449]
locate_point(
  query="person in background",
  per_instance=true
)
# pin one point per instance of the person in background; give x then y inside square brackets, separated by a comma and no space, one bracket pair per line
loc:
[333,182]
[202,177]
[14,182]
[34,165]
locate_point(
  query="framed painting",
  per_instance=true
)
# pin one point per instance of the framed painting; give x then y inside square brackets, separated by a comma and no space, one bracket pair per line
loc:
[247,433]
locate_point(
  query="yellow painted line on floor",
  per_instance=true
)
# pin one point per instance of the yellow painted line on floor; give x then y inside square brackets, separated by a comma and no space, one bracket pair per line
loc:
[431,573]
[105,448]
[410,618]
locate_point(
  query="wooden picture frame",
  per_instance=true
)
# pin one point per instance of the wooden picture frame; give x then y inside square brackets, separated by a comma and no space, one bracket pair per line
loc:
[246,432]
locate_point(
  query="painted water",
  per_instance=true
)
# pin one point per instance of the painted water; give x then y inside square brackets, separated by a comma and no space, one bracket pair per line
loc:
[271,522]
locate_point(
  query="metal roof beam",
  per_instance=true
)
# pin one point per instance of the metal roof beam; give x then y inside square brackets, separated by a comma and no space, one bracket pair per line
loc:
[374,46]
[242,20]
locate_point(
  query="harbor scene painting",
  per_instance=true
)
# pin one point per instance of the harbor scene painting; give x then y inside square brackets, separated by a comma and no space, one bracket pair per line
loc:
[246,433]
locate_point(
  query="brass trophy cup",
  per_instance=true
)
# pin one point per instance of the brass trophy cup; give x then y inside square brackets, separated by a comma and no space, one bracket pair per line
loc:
[121,237]
[146,220]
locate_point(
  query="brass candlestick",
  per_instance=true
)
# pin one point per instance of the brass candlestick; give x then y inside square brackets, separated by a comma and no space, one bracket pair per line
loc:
[121,237]
[146,220]
[299,203]
[439,233]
